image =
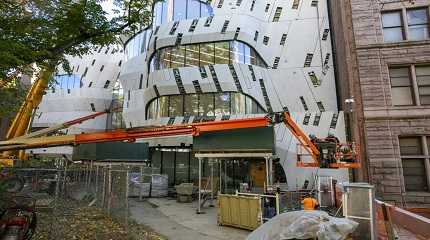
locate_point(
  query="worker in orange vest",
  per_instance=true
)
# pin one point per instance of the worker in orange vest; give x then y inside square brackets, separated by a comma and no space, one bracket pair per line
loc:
[309,203]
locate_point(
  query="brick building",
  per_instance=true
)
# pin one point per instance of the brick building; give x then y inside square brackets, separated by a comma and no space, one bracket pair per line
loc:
[384,65]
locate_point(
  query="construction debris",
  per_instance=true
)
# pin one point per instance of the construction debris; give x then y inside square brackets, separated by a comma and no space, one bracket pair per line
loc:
[304,225]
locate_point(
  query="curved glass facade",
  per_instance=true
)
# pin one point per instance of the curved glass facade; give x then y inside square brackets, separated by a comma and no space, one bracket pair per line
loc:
[138,44]
[205,54]
[176,10]
[205,104]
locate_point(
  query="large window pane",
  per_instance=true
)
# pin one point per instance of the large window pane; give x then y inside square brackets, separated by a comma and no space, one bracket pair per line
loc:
[237,54]
[163,110]
[418,24]
[207,54]
[191,105]
[181,167]
[164,59]
[206,10]
[392,26]
[237,103]
[152,109]
[414,174]
[401,86]
[410,146]
[423,81]
[206,105]
[179,10]
[222,104]
[192,55]
[222,53]
[247,54]
[193,9]
[176,106]
[177,57]
[169,166]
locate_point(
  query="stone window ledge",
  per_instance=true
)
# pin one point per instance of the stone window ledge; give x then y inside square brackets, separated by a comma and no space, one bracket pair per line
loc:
[418,194]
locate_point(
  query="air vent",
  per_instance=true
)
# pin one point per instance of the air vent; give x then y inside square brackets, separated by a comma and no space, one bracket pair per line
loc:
[156,30]
[321,106]
[334,119]
[178,80]
[266,97]
[327,59]
[283,39]
[277,15]
[267,8]
[186,119]
[252,6]
[120,63]
[236,34]
[193,25]
[215,78]
[317,119]
[238,2]
[171,121]
[235,77]
[77,69]
[314,79]
[68,91]
[102,67]
[203,72]
[256,36]
[174,27]
[265,40]
[106,84]
[141,81]
[295,4]
[325,34]
[178,39]
[85,72]
[220,3]
[224,27]
[89,85]
[251,69]
[92,63]
[314,3]
[157,93]
[208,21]
[276,62]
[306,119]
[93,108]
[305,106]
[308,59]
[197,87]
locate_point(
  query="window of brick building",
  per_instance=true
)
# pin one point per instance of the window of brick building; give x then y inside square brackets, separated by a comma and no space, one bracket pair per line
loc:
[418,28]
[423,82]
[414,155]
[405,24]
[392,25]
[401,86]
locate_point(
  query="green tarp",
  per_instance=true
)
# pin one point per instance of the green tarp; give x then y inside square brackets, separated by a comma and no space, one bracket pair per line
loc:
[239,140]
[119,151]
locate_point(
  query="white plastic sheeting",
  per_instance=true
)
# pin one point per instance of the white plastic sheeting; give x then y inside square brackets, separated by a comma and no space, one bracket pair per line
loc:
[304,225]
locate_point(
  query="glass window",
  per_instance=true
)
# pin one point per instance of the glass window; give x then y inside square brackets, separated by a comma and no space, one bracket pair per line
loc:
[163,103]
[176,106]
[207,53]
[206,10]
[423,81]
[206,104]
[177,57]
[191,105]
[193,9]
[392,26]
[164,56]
[182,167]
[222,53]
[414,170]
[237,103]
[152,109]
[237,52]
[401,86]
[277,14]
[418,24]
[179,10]
[222,104]
[192,55]
[410,146]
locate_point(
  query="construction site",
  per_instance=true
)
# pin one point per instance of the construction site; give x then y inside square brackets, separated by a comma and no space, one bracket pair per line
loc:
[228,120]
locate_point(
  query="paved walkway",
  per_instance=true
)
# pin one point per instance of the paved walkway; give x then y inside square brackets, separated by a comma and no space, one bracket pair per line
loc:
[178,221]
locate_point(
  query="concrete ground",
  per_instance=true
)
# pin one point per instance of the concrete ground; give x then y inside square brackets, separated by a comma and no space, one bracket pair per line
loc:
[179,221]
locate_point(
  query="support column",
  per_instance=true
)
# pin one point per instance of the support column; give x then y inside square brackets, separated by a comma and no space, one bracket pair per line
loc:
[212,183]
[200,186]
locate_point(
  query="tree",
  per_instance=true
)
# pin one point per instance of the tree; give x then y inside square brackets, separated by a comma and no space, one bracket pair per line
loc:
[37,35]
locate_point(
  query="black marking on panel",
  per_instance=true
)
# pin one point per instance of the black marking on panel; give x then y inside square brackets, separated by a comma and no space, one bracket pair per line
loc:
[314,3]
[321,106]
[178,39]
[178,80]
[308,59]
[225,117]
[276,62]
[256,36]
[283,39]
[174,27]
[197,119]
[252,6]
[251,69]
[156,90]
[203,72]
[317,119]
[220,3]
[327,58]
[265,40]
[235,77]
[325,34]
[334,120]
[208,21]
[314,79]
[193,25]
[155,42]
[197,87]
[215,78]
[156,30]
[266,97]
[186,119]
[305,106]
[236,34]
[267,8]
[285,109]
[225,26]
[208,118]
[171,121]
[93,108]
[295,4]
[238,2]
[306,119]
[140,81]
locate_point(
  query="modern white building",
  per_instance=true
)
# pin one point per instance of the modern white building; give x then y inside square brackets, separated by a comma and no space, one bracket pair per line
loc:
[212,61]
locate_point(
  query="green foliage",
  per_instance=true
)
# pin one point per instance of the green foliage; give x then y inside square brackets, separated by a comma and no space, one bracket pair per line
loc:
[42,32]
